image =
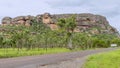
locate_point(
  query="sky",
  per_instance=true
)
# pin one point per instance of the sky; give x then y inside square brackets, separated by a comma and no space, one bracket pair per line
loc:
[108,8]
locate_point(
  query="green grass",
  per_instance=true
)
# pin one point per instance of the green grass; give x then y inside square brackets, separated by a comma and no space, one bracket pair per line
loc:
[104,60]
[7,53]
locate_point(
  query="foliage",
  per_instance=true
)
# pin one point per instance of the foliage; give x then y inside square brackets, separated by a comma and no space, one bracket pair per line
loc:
[39,35]
[67,25]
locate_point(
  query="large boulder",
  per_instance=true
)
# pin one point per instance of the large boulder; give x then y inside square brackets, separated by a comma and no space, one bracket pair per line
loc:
[39,18]
[20,20]
[46,18]
[6,20]
[29,17]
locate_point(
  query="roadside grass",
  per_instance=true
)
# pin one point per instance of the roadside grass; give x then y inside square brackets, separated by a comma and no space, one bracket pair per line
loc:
[10,52]
[104,60]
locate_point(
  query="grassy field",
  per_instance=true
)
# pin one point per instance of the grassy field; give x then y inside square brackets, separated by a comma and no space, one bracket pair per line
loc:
[104,60]
[6,53]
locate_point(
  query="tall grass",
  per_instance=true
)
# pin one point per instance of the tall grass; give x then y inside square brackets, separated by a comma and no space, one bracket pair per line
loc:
[10,52]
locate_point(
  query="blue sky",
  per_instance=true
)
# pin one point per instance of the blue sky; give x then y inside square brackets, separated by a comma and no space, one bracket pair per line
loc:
[107,8]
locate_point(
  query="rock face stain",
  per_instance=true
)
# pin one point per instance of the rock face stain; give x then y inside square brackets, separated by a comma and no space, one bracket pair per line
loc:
[86,22]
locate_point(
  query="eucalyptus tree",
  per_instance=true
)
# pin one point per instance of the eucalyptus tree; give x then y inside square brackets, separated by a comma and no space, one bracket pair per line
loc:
[20,37]
[67,26]
[42,33]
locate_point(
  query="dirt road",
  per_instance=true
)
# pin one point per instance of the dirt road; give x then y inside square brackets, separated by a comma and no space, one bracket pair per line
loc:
[44,60]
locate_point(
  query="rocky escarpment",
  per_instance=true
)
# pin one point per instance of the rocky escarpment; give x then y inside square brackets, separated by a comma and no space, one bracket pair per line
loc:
[86,22]
[90,22]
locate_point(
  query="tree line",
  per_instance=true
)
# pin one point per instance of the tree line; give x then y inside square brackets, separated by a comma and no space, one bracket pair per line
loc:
[40,35]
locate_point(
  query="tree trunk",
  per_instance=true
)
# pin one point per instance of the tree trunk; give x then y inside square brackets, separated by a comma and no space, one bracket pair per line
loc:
[70,46]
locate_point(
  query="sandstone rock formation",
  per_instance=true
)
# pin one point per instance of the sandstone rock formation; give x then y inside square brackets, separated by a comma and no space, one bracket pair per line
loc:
[90,23]
[86,22]
[6,20]
[20,20]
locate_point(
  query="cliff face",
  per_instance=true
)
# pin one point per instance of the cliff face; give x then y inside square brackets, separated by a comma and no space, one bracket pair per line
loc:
[86,22]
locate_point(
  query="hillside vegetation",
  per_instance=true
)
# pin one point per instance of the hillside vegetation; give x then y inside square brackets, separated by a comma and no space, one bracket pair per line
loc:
[40,36]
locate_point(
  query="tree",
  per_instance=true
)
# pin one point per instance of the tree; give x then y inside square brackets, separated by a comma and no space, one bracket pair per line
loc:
[67,26]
